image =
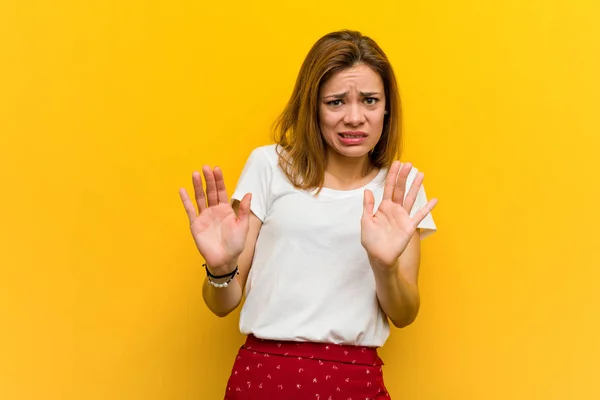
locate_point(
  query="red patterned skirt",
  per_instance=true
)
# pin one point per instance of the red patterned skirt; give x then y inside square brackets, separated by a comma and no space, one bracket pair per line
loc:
[270,370]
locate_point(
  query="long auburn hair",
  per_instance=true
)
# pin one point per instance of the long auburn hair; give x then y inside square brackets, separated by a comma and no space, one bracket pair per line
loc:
[297,130]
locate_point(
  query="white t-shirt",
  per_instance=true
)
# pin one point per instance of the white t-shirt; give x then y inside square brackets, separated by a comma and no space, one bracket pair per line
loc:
[310,278]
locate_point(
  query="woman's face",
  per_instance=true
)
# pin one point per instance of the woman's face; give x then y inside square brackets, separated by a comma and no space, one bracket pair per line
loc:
[351,111]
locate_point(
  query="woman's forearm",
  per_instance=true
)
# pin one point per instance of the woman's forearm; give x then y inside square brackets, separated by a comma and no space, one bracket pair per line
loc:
[222,300]
[398,298]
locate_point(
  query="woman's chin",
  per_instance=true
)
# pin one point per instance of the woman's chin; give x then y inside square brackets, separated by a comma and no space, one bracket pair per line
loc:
[353,151]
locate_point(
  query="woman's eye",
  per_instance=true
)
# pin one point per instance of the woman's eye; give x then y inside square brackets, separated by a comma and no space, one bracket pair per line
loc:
[370,101]
[335,103]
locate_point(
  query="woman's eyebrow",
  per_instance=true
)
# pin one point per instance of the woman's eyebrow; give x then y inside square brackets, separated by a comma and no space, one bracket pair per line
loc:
[336,95]
[342,95]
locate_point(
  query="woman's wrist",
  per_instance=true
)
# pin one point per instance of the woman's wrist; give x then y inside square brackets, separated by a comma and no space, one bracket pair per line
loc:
[384,268]
[221,281]
[221,270]
[218,278]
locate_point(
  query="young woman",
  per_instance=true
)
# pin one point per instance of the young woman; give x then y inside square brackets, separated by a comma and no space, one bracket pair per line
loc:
[323,234]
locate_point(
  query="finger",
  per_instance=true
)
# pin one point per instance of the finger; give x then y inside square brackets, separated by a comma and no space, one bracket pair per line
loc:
[211,186]
[187,204]
[198,191]
[368,204]
[400,184]
[422,213]
[244,209]
[390,181]
[221,192]
[411,197]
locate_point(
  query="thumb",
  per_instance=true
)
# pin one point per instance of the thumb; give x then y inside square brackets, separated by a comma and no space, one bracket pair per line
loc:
[368,204]
[244,210]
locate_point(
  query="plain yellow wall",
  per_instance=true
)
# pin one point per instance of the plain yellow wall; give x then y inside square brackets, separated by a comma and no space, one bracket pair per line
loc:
[106,107]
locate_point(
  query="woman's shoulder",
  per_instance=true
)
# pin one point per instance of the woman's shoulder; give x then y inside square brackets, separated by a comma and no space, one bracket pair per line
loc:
[266,153]
[269,150]
[262,160]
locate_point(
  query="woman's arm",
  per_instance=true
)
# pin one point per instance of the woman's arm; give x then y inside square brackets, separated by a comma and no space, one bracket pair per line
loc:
[392,241]
[222,301]
[397,289]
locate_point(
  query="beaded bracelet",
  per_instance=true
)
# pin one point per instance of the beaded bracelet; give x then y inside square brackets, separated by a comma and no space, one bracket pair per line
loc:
[230,275]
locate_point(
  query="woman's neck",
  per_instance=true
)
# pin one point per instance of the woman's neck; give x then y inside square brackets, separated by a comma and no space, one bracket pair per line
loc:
[345,172]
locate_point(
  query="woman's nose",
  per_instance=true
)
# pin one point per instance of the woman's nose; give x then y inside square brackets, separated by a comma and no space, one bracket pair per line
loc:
[354,115]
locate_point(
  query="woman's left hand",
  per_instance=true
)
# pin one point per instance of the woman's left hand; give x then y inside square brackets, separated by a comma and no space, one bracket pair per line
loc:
[386,233]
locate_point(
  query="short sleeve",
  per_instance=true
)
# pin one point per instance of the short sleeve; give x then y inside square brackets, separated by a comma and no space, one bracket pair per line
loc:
[427,225]
[256,179]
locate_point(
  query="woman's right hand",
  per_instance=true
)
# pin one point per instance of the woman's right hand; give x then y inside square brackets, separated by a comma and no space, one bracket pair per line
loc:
[219,234]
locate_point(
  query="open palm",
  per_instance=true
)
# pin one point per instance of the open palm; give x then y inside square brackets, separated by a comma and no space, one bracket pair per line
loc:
[218,232]
[386,234]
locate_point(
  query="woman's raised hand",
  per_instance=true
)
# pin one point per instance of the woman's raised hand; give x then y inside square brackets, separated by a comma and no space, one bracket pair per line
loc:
[386,234]
[219,233]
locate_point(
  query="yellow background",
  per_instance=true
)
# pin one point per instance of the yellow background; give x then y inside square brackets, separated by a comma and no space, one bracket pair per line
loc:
[106,108]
